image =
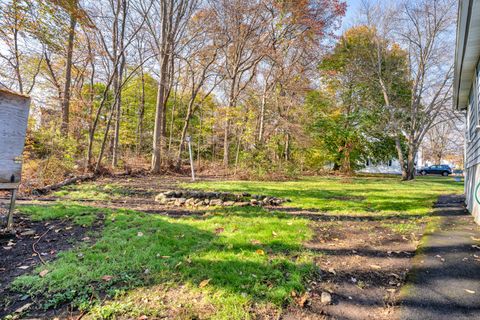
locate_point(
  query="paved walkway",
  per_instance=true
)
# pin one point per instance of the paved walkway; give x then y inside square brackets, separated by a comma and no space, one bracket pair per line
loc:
[445,281]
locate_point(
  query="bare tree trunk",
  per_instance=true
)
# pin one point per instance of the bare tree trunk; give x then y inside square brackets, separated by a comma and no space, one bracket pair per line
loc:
[164,58]
[118,88]
[141,114]
[412,153]
[237,152]
[231,104]
[159,118]
[199,141]
[68,76]
[401,159]
[186,123]
[172,117]
[261,128]
[91,104]
[104,141]
[226,145]
[287,147]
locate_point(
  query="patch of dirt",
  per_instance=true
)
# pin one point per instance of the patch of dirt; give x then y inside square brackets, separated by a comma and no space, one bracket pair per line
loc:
[32,243]
[362,266]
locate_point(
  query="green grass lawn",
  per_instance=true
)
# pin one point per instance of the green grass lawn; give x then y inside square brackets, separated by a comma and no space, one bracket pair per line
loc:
[356,195]
[228,261]
[245,254]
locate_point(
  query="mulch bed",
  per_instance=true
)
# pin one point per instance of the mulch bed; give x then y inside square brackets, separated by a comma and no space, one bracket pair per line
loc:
[33,243]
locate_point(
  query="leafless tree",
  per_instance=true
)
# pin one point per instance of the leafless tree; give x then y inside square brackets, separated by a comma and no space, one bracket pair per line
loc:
[166,21]
[424,29]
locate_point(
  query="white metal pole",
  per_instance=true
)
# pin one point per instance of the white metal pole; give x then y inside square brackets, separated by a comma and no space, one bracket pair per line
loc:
[191,157]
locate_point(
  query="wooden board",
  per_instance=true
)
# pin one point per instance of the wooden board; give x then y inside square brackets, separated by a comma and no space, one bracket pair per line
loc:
[9,186]
[14,111]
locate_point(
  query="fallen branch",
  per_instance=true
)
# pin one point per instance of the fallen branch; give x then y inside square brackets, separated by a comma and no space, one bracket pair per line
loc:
[33,245]
[65,182]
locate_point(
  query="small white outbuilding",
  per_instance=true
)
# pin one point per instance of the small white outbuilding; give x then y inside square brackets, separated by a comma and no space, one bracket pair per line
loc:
[14,110]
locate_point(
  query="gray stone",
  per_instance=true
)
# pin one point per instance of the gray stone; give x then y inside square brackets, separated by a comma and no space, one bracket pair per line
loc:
[216,202]
[169,194]
[242,204]
[190,201]
[326,298]
[229,203]
[161,197]
[180,201]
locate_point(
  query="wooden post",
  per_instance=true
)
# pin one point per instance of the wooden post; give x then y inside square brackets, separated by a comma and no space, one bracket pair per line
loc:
[189,139]
[10,210]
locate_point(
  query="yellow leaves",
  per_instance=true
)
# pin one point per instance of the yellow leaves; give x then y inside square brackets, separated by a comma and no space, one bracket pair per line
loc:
[204,283]
[43,273]
[260,252]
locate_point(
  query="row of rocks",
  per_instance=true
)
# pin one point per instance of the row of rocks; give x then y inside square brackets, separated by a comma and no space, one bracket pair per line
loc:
[199,198]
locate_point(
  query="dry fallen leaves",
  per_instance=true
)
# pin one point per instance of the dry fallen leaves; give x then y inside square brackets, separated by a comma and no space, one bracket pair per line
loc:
[470,291]
[219,230]
[301,300]
[107,278]
[260,252]
[43,273]
[204,283]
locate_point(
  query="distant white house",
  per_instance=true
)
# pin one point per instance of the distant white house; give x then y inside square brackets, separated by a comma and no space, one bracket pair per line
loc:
[466,97]
[391,166]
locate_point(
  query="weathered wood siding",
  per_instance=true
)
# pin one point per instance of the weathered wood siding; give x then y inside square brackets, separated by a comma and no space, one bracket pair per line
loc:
[14,111]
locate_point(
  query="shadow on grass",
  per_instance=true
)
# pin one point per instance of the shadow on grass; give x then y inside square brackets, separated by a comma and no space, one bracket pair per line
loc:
[138,250]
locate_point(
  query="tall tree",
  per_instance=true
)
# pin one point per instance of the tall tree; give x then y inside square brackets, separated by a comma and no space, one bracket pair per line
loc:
[423,28]
[166,22]
[241,25]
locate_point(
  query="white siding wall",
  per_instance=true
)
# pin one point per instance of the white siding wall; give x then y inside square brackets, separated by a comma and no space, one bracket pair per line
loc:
[13,126]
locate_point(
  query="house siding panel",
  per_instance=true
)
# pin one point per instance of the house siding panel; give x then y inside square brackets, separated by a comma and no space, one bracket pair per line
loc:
[472,149]
[473,139]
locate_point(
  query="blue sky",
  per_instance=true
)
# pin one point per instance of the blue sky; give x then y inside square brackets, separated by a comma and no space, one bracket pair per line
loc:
[352,10]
